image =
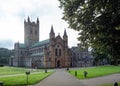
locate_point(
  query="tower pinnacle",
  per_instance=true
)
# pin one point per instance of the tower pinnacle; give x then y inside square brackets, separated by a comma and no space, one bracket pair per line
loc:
[65,34]
[52,34]
[28,19]
[52,31]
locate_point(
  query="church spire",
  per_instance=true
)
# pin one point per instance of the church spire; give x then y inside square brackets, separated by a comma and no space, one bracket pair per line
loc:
[52,31]
[65,38]
[65,34]
[52,34]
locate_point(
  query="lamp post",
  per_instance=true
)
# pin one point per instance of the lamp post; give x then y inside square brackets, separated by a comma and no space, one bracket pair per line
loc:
[27,73]
[68,67]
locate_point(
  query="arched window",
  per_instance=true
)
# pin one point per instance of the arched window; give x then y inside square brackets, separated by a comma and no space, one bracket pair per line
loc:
[49,59]
[57,50]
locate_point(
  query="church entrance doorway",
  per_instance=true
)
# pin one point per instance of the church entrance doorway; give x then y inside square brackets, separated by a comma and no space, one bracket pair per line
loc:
[58,63]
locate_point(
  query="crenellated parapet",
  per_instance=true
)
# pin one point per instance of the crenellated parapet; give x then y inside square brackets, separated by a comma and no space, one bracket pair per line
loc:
[29,22]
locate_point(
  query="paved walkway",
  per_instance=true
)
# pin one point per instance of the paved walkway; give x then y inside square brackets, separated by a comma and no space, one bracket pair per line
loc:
[60,78]
[102,80]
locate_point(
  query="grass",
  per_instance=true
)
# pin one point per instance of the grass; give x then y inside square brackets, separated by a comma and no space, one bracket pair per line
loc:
[11,70]
[95,71]
[22,79]
[111,84]
[14,70]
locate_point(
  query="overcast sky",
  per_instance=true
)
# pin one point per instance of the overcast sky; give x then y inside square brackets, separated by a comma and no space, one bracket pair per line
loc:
[13,13]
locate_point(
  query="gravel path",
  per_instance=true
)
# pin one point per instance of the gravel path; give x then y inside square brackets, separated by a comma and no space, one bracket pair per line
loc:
[102,80]
[60,78]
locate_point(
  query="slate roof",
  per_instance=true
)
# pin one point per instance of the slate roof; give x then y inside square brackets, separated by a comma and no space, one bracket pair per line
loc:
[22,45]
[38,54]
[44,42]
[41,43]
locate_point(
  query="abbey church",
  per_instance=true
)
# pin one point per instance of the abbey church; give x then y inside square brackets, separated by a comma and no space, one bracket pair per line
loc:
[49,53]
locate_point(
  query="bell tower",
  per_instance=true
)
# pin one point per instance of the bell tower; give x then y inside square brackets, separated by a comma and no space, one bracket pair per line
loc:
[31,32]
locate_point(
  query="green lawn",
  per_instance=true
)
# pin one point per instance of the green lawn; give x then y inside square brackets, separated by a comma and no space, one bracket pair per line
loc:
[19,80]
[96,71]
[15,70]
[22,80]
[11,70]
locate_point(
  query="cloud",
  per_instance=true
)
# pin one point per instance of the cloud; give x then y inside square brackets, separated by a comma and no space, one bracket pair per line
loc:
[6,43]
[13,13]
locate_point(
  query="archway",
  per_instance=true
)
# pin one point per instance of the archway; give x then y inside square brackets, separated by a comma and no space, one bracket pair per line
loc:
[58,63]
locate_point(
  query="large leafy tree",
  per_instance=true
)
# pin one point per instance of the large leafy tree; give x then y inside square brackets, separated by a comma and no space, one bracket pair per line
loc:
[98,23]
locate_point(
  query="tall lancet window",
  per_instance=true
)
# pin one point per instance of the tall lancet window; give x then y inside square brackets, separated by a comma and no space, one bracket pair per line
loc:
[58,50]
[31,31]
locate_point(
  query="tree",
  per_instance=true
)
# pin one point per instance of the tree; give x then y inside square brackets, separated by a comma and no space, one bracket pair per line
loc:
[98,23]
[100,58]
[5,55]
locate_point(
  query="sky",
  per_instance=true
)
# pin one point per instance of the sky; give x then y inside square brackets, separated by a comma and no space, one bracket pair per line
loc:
[14,12]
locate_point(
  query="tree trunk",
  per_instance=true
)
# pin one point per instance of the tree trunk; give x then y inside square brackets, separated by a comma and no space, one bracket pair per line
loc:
[116,62]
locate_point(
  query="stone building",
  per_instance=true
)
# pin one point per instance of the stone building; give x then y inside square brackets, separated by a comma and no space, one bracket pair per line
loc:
[50,53]
[81,58]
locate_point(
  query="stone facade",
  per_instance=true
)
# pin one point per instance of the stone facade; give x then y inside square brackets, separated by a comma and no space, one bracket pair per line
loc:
[49,53]
[81,58]
[31,32]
